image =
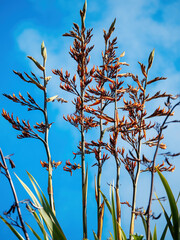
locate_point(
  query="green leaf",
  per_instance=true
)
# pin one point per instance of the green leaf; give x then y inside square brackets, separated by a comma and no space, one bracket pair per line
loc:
[95,236]
[166,216]
[45,211]
[111,208]
[137,237]
[43,200]
[173,206]
[35,234]
[123,235]
[111,236]
[154,234]
[106,201]
[114,215]
[166,227]
[41,226]
[164,232]
[36,202]
[145,226]
[18,235]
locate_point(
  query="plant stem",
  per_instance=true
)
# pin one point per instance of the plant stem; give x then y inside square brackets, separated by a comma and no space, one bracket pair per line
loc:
[83,167]
[135,180]
[46,144]
[134,201]
[153,171]
[99,197]
[118,205]
[99,159]
[15,195]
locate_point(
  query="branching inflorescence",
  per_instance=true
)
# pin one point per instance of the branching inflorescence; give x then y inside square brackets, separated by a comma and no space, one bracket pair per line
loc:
[115,105]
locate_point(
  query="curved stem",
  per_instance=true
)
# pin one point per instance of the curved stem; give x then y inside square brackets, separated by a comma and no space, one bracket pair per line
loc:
[15,196]
[153,171]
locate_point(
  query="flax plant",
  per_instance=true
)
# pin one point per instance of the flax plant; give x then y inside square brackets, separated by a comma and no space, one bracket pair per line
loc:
[25,128]
[134,131]
[139,143]
[109,73]
[92,105]
[163,126]
[98,97]
[80,53]
[117,92]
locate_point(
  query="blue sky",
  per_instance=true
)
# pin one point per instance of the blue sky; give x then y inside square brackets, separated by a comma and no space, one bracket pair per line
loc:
[140,27]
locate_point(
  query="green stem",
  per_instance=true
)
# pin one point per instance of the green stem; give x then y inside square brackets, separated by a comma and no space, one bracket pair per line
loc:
[135,180]
[118,205]
[134,202]
[99,159]
[46,144]
[82,87]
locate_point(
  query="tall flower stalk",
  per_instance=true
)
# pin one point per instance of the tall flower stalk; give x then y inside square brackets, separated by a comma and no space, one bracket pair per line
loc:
[134,131]
[98,97]
[91,110]
[153,169]
[80,53]
[102,96]
[47,126]
[34,132]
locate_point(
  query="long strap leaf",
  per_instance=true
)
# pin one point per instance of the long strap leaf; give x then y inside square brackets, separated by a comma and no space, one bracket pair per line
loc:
[95,236]
[173,206]
[33,231]
[40,224]
[18,235]
[114,215]
[45,211]
[106,201]
[154,234]
[145,226]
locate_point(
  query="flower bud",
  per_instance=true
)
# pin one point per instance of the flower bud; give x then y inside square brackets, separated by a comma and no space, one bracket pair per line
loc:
[43,51]
[150,60]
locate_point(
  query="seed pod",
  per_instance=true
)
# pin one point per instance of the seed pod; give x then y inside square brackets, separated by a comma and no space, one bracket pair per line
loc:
[150,60]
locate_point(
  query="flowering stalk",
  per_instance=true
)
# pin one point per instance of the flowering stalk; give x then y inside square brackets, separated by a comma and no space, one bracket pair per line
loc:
[162,127]
[118,204]
[47,126]
[140,137]
[80,53]
[83,167]
[102,131]
[26,130]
